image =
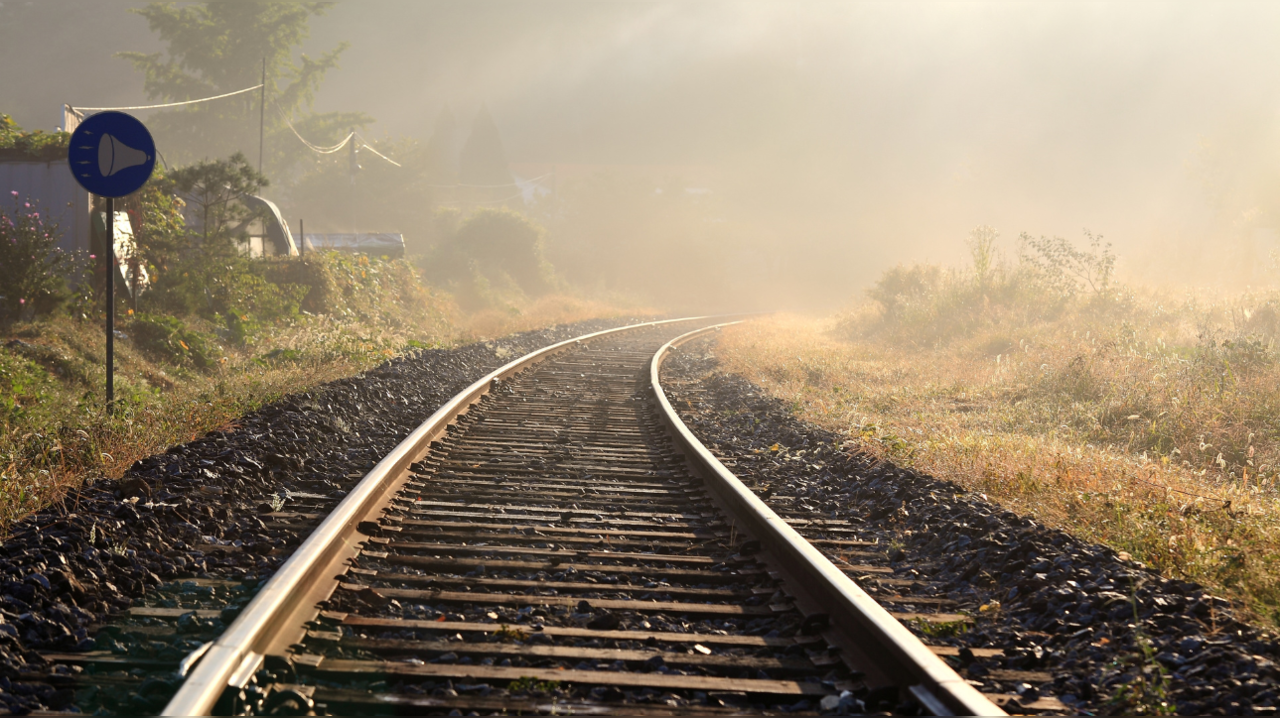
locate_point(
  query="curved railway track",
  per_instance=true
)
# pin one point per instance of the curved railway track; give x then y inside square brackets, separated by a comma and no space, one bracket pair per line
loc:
[554,539]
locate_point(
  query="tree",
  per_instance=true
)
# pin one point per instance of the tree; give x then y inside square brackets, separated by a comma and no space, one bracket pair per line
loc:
[1067,270]
[442,149]
[482,160]
[214,190]
[220,47]
[489,254]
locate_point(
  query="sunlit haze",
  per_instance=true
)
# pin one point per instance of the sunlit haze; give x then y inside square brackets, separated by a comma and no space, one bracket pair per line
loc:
[832,139]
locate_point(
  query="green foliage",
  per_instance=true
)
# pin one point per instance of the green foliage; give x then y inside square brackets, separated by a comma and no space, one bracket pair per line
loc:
[507,633]
[982,249]
[35,269]
[171,339]
[529,684]
[159,229]
[492,252]
[351,284]
[215,188]
[36,145]
[1147,690]
[23,386]
[218,47]
[230,290]
[927,305]
[903,290]
[947,629]
[1066,269]
[209,277]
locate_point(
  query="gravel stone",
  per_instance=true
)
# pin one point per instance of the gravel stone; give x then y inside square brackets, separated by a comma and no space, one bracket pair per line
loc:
[1076,610]
[194,513]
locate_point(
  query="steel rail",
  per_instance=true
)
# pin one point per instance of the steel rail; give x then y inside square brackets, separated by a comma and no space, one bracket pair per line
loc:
[268,621]
[860,624]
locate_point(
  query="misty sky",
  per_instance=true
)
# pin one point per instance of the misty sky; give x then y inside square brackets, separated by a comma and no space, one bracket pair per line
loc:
[859,134]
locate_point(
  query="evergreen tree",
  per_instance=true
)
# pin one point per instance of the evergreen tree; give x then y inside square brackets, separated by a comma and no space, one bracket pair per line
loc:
[219,47]
[482,160]
[442,149]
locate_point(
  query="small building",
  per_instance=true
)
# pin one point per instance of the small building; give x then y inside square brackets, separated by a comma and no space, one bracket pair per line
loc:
[47,183]
[375,244]
[267,234]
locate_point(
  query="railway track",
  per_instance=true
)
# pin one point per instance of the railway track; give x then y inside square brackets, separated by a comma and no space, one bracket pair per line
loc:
[554,540]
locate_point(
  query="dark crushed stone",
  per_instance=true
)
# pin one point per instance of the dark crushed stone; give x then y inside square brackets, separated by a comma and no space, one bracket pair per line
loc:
[69,567]
[1067,606]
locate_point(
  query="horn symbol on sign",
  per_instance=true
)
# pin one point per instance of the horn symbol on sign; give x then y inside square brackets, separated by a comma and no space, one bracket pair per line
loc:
[114,155]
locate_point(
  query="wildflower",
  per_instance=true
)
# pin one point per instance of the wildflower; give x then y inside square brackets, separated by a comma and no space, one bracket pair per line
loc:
[14,193]
[27,205]
[22,301]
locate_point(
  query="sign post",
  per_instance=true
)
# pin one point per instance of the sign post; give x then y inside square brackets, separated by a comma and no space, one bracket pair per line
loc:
[112,155]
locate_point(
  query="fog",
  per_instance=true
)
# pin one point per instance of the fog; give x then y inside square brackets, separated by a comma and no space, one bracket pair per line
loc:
[835,139]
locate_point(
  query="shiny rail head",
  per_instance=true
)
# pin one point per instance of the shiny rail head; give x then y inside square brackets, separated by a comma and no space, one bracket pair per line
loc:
[935,684]
[225,659]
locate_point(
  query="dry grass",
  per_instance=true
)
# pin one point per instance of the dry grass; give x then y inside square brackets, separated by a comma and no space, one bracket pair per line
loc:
[55,436]
[1130,426]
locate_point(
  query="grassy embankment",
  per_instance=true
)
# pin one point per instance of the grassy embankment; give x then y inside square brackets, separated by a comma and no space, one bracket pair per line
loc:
[1141,421]
[176,380]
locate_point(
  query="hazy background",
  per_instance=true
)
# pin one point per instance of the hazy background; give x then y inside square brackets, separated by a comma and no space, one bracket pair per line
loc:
[835,139]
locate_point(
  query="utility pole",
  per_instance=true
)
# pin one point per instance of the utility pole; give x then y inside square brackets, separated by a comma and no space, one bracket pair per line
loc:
[355,167]
[111,306]
[262,114]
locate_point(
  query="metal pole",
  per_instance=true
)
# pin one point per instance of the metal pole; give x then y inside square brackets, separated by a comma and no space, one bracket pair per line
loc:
[262,114]
[111,305]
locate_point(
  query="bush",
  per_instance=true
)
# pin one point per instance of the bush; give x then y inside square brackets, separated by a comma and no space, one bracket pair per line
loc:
[929,305]
[35,269]
[1067,270]
[169,338]
[228,290]
[903,289]
[37,145]
[490,253]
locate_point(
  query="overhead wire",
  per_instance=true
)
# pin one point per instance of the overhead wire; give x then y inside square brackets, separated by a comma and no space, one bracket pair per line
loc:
[167,104]
[314,148]
[369,147]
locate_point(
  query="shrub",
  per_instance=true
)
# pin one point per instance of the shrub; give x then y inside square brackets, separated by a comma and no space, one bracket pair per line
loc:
[1066,269]
[159,229]
[927,305]
[37,145]
[171,339]
[490,253]
[35,269]
[902,289]
[228,290]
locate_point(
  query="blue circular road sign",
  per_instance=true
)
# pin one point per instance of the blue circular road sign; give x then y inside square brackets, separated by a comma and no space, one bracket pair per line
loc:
[111,154]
